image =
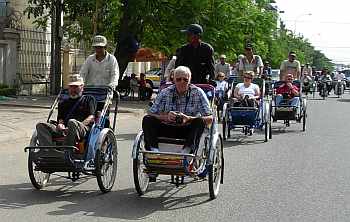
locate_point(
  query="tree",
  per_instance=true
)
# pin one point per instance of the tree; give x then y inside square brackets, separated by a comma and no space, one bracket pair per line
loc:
[228,25]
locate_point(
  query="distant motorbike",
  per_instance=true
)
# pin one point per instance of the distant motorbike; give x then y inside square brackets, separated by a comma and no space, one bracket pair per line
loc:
[325,86]
[339,88]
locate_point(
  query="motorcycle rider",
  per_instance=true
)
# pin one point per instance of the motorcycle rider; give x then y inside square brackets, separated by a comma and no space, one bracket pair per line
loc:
[325,77]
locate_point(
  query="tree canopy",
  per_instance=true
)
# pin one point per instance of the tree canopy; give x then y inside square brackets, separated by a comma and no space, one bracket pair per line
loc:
[228,25]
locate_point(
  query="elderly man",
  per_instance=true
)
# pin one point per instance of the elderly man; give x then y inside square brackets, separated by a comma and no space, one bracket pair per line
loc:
[180,111]
[100,68]
[288,92]
[222,66]
[250,62]
[74,119]
[196,55]
[290,66]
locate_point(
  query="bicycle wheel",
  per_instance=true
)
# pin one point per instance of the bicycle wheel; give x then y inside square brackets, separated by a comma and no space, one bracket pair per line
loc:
[215,170]
[106,160]
[141,179]
[38,178]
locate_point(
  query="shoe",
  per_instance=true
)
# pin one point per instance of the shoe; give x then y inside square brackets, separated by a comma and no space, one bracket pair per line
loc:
[89,166]
[152,177]
[186,150]
[251,131]
[154,149]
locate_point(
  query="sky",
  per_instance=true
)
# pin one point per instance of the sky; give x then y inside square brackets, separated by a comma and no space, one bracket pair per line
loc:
[325,23]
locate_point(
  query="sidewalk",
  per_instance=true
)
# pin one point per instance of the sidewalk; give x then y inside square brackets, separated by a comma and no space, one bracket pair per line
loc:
[125,106]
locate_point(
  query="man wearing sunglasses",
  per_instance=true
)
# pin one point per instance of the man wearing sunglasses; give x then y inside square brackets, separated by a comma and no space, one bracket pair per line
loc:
[180,111]
[288,92]
[100,68]
[196,55]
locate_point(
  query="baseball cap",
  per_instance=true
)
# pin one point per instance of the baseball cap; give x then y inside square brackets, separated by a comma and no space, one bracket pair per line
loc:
[222,56]
[193,29]
[99,41]
[248,46]
[75,80]
[292,53]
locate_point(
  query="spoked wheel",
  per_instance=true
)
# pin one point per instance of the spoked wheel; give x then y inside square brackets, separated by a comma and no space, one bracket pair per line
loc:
[38,178]
[267,129]
[141,179]
[304,121]
[106,160]
[216,170]
[224,125]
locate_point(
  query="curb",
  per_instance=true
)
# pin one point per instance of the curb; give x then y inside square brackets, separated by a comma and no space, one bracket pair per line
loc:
[120,110]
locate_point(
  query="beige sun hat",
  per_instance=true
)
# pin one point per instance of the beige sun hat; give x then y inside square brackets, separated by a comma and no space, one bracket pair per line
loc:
[75,80]
[99,41]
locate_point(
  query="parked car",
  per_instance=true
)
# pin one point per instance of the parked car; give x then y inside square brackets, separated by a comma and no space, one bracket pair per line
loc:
[275,74]
[154,77]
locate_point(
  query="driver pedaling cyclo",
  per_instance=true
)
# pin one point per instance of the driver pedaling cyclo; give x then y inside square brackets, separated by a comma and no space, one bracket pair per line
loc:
[180,111]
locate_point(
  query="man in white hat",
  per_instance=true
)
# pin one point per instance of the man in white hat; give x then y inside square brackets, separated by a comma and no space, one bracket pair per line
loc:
[74,119]
[222,66]
[100,68]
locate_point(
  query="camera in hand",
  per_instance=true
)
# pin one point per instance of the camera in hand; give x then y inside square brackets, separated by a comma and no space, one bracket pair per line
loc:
[179,119]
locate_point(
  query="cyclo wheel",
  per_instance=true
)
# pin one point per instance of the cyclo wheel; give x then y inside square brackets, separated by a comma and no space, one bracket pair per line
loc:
[215,170]
[304,121]
[106,160]
[38,179]
[141,179]
[224,125]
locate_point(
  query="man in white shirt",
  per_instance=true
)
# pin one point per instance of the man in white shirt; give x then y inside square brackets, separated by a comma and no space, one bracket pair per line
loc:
[250,62]
[339,76]
[222,66]
[290,66]
[100,68]
[307,70]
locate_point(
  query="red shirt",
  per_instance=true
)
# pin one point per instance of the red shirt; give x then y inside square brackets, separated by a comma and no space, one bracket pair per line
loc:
[285,89]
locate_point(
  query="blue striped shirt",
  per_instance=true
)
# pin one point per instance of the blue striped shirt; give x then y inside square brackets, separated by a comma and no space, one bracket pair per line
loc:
[193,103]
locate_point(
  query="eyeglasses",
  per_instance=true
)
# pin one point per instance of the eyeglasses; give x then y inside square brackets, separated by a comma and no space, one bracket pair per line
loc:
[247,77]
[221,76]
[181,79]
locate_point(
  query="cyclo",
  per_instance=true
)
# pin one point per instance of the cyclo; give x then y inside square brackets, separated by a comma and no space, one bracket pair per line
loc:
[285,110]
[206,159]
[100,144]
[245,117]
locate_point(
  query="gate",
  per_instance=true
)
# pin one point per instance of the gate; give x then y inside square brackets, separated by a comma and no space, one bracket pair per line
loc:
[34,60]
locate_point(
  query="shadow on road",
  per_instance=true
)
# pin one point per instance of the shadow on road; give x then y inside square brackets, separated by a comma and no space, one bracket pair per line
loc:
[119,204]
[344,100]
[122,137]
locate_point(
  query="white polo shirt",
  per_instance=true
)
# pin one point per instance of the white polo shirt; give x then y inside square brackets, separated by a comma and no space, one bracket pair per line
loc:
[100,73]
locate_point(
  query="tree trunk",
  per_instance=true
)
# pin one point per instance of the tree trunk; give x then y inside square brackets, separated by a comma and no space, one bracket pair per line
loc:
[127,45]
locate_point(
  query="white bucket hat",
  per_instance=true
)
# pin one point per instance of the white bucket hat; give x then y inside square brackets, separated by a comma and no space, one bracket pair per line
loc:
[75,80]
[99,40]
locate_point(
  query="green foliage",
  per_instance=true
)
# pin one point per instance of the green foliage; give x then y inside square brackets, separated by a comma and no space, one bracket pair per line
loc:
[8,91]
[228,25]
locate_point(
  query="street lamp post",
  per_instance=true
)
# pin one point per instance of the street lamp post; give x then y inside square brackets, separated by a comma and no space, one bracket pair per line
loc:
[296,20]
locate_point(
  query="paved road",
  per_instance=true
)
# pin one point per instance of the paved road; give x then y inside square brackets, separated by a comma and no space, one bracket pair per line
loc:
[295,177]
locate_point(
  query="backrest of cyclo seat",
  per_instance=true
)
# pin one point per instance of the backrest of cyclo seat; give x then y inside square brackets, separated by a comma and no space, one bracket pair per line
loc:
[208,89]
[100,95]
